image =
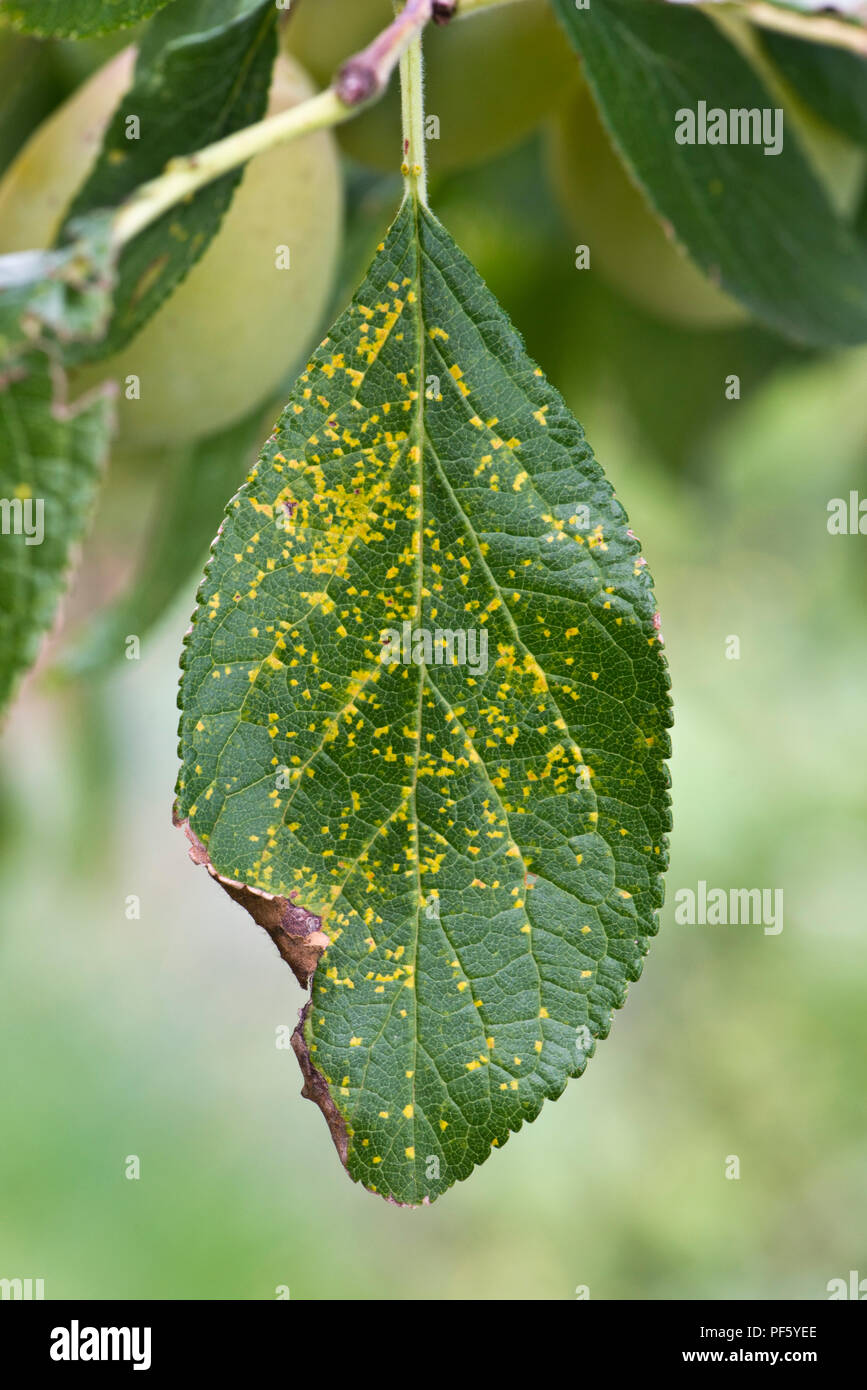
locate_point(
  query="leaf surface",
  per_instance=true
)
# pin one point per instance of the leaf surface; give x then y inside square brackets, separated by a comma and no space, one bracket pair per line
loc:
[53,457]
[830,80]
[75,18]
[482,847]
[203,71]
[760,225]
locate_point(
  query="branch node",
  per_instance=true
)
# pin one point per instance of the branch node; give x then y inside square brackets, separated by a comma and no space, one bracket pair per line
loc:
[357,82]
[365,75]
[444,11]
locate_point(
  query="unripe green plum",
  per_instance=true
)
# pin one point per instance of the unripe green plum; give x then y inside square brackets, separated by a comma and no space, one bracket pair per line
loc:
[47,172]
[489,79]
[234,327]
[76,60]
[628,245]
[323,35]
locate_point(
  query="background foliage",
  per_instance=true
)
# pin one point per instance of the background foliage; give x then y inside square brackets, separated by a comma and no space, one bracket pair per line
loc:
[735,1042]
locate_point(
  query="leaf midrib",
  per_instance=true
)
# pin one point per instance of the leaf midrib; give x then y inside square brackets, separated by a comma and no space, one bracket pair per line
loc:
[419,446]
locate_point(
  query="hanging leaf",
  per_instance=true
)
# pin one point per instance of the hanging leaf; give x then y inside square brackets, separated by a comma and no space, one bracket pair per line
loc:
[50,461]
[75,18]
[760,225]
[203,72]
[424,724]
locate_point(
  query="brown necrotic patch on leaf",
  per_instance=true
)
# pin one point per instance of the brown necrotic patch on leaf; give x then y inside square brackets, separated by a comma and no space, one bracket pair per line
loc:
[315,1088]
[296,933]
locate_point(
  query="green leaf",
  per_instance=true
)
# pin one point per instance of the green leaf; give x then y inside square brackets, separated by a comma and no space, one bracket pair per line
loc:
[483,848]
[75,18]
[29,89]
[203,71]
[185,522]
[760,225]
[50,461]
[830,80]
[50,300]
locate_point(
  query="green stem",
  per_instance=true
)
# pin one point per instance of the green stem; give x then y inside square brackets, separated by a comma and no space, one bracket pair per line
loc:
[412,99]
[361,81]
[186,175]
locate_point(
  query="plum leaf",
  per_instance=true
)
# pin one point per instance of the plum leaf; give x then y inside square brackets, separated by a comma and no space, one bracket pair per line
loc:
[192,85]
[50,469]
[760,225]
[830,80]
[424,723]
[75,18]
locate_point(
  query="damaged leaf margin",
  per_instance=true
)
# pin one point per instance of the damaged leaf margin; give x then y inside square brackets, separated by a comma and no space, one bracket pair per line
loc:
[52,299]
[299,938]
[296,933]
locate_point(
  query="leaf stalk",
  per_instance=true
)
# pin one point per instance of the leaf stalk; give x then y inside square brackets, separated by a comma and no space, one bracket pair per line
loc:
[412,97]
[361,81]
[815,27]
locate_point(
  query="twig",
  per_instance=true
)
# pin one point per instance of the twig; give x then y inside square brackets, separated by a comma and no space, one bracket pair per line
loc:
[815,28]
[365,76]
[185,175]
[819,28]
[360,82]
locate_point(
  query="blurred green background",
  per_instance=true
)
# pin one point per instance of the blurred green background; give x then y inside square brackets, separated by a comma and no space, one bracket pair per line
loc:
[157,1037]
